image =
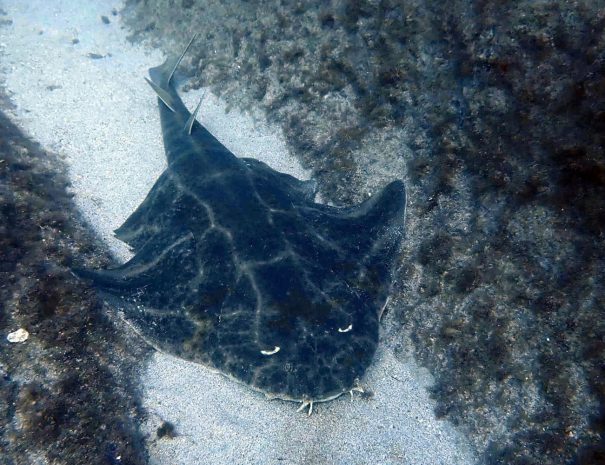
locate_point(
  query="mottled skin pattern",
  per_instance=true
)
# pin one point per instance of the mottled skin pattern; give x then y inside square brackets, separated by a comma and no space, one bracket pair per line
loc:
[236,267]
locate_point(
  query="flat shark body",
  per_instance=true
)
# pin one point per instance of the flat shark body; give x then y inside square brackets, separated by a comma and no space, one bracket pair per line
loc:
[236,267]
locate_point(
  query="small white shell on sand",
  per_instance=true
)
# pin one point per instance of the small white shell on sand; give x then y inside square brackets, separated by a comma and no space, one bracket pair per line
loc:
[19,335]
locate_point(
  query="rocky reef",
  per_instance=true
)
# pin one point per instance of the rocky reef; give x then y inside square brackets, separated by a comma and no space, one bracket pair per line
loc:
[67,390]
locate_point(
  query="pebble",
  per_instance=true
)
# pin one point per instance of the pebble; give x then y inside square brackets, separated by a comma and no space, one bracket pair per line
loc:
[19,335]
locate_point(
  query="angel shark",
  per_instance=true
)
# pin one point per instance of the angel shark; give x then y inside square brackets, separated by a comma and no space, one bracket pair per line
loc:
[238,268]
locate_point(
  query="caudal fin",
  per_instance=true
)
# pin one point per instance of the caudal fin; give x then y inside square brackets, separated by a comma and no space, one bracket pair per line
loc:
[162,75]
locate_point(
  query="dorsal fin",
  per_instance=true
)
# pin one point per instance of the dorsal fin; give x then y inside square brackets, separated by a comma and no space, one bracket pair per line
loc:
[191,119]
[160,82]
[178,61]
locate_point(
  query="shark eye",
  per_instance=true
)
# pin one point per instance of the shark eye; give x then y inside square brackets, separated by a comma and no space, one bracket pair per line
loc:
[271,352]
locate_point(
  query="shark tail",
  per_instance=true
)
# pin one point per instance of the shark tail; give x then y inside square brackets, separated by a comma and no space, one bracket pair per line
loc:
[161,77]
